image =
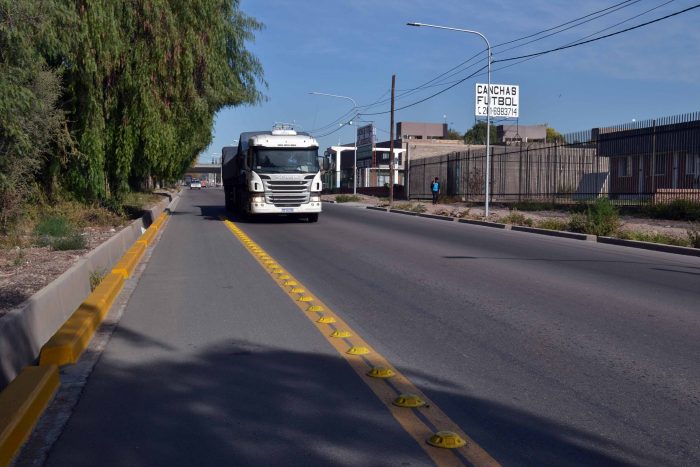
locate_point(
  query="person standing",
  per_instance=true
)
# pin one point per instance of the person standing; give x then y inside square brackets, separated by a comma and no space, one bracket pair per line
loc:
[435,189]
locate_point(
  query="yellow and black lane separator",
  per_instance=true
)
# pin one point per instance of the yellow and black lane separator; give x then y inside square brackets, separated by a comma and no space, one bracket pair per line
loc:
[435,432]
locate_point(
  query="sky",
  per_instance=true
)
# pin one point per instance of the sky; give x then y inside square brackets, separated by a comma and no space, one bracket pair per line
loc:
[352,48]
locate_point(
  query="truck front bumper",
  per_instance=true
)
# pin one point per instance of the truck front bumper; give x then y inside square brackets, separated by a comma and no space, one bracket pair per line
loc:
[265,208]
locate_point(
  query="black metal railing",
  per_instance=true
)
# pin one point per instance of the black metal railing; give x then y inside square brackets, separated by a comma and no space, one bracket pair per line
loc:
[632,164]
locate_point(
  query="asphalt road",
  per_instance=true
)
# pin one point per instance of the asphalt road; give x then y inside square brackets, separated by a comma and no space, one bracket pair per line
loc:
[546,351]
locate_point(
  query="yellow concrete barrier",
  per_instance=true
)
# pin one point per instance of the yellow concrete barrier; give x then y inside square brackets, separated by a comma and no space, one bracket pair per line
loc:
[71,339]
[21,404]
[69,342]
[125,266]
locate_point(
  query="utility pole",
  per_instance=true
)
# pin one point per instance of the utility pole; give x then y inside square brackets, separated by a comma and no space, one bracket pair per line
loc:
[391,144]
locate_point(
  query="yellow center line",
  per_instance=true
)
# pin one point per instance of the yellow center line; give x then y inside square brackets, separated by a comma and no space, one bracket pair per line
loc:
[413,420]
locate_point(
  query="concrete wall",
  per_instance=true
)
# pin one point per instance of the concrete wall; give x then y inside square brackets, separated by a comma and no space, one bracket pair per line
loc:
[24,330]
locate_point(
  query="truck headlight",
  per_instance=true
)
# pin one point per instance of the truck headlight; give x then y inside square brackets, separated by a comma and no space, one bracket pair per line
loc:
[258,199]
[315,199]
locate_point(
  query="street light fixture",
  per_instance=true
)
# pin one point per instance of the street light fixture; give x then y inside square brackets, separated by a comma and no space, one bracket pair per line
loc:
[488,103]
[354,104]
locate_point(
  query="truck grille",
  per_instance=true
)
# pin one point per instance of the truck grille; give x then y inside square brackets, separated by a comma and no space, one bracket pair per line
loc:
[286,193]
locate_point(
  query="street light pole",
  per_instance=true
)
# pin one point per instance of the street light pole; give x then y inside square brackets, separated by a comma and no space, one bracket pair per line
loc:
[488,101]
[354,165]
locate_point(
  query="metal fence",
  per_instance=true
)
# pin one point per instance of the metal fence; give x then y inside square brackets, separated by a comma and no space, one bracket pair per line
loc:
[636,163]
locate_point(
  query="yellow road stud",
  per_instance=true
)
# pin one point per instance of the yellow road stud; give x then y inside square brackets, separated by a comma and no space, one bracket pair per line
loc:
[446,440]
[315,308]
[326,320]
[305,298]
[410,401]
[284,277]
[341,334]
[277,271]
[357,351]
[297,290]
[381,372]
[290,283]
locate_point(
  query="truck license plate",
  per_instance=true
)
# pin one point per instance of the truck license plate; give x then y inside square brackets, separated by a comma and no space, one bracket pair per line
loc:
[287,209]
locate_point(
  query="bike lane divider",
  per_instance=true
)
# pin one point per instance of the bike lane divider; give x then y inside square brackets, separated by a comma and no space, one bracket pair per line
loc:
[440,437]
[26,398]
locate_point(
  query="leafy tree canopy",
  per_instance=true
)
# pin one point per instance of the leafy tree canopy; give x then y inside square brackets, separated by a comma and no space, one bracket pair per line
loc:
[477,134]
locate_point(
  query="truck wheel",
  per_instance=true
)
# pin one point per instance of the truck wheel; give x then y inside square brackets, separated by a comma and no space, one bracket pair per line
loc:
[313,217]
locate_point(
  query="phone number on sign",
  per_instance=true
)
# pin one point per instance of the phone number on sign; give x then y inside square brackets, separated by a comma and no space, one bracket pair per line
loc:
[498,111]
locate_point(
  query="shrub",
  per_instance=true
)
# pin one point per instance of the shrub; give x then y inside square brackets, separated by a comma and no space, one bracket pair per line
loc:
[419,208]
[516,218]
[72,242]
[600,218]
[553,224]
[56,231]
[54,226]
[678,209]
[693,233]
[346,198]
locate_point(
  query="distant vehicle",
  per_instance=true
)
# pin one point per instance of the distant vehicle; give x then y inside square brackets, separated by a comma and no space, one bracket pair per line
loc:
[203,182]
[273,172]
[195,184]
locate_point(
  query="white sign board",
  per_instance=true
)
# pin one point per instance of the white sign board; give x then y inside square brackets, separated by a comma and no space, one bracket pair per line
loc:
[505,100]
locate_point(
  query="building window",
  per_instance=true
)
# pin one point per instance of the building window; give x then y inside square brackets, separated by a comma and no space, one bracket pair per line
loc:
[626,166]
[660,164]
[692,164]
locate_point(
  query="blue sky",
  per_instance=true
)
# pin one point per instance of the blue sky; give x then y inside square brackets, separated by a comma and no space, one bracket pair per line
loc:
[352,47]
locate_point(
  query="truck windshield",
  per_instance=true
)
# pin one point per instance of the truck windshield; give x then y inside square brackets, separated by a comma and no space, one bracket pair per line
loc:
[286,160]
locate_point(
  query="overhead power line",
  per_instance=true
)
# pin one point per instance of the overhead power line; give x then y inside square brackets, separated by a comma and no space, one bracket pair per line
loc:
[576,44]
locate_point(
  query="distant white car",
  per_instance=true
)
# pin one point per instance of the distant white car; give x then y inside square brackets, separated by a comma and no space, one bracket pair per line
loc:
[195,184]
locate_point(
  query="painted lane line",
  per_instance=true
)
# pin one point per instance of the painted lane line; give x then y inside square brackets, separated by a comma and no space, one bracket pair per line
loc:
[420,423]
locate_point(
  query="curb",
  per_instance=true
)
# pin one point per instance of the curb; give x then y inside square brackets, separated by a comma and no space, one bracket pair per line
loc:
[73,337]
[679,250]
[437,216]
[24,399]
[554,233]
[495,225]
[21,405]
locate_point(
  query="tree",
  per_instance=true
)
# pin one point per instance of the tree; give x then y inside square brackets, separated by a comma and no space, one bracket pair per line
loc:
[30,123]
[145,81]
[477,134]
[453,134]
[553,136]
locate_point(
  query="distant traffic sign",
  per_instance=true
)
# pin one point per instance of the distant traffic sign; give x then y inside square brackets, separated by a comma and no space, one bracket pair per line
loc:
[505,100]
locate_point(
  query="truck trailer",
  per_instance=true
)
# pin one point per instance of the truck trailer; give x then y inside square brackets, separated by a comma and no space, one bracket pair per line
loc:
[273,172]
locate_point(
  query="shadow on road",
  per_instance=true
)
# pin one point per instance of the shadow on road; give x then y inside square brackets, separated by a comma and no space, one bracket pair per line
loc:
[237,403]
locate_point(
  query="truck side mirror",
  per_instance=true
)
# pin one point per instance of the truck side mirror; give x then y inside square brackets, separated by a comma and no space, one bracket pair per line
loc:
[326,165]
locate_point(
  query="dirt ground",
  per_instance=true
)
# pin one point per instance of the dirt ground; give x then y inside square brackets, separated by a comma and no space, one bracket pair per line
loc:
[628,223]
[26,270]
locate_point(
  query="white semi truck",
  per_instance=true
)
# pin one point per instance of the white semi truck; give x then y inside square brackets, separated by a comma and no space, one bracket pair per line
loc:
[273,172]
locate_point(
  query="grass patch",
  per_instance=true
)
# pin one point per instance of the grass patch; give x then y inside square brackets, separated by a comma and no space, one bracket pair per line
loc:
[654,237]
[54,225]
[534,205]
[516,218]
[419,208]
[96,277]
[553,224]
[346,198]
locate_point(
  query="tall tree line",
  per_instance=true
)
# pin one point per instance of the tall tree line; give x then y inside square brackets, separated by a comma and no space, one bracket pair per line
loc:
[99,97]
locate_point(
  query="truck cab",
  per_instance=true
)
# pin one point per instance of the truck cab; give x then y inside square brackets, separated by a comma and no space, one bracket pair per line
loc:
[273,172]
